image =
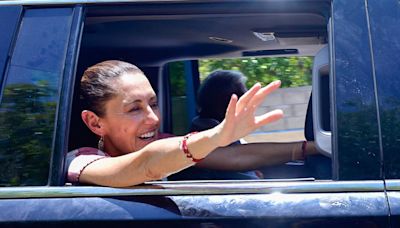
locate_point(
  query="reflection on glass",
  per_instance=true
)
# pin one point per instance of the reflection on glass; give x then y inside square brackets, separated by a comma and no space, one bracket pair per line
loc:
[29,99]
[27,114]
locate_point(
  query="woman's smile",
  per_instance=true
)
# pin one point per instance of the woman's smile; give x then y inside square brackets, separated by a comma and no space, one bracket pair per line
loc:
[148,136]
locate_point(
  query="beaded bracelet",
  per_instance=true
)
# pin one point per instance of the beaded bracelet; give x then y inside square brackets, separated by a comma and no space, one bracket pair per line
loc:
[185,148]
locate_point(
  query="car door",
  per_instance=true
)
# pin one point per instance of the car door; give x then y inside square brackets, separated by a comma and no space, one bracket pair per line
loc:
[384,17]
[39,77]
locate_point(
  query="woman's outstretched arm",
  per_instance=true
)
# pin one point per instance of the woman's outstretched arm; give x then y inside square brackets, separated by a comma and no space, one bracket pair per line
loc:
[164,157]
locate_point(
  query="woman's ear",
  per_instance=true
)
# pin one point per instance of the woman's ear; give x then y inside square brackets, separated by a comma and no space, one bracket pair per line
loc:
[92,121]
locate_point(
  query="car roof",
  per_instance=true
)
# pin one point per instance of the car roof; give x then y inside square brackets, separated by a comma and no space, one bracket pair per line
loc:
[152,33]
[211,29]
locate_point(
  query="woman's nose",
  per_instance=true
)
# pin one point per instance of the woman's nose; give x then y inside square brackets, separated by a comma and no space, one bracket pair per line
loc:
[151,116]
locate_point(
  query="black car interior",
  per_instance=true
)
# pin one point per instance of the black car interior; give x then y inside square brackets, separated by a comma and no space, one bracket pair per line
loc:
[150,36]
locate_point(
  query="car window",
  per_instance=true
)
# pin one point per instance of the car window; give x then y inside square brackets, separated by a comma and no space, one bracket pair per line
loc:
[292,97]
[183,81]
[30,96]
[179,39]
[386,59]
[9,18]
[355,103]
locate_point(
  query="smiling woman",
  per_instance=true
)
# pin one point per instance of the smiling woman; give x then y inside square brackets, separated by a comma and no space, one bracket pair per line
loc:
[120,107]
[130,116]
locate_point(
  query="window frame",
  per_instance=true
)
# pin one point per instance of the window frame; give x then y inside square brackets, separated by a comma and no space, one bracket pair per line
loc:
[63,115]
[67,73]
[10,27]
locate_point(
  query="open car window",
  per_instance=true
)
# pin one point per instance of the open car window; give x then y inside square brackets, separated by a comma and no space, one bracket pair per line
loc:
[293,96]
[177,48]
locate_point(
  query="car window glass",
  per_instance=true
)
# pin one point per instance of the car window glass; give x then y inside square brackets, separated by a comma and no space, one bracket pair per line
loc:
[9,17]
[179,101]
[30,96]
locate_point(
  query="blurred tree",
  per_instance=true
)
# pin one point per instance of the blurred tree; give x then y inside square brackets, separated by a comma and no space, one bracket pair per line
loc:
[27,114]
[292,71]
[177,78]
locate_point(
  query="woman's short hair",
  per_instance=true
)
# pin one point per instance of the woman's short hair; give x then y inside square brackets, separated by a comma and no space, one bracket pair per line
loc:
[97,83]
[216,90]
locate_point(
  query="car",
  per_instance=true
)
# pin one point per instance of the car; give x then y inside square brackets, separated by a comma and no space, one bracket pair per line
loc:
[353,115]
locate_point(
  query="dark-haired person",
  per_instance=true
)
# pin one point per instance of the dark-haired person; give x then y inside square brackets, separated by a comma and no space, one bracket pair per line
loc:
[121,109]
[237,161]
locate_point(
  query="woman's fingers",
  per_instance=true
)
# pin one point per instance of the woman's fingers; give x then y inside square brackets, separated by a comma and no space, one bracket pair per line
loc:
[227,132]
[231,109]
[259,97]
[239,117]
[246,98]
[268,117]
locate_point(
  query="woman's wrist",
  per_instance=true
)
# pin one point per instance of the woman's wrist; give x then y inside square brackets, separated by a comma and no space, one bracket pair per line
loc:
[185,149]
[198,146]
[214,135]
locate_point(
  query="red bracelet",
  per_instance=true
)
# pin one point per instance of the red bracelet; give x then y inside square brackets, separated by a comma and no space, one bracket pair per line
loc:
[185,148]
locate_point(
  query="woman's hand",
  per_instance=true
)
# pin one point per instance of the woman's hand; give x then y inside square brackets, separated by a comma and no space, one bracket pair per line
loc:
[240,119]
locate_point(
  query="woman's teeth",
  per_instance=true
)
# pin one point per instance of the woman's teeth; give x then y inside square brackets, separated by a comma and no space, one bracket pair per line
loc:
[147,135]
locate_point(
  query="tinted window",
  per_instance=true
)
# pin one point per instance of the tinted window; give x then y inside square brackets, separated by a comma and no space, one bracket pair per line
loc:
[30,96]
[384,18]
[9,17]
[356,134]
[180,116]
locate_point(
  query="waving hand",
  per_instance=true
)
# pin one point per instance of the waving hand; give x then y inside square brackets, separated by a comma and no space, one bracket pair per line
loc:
[240,119]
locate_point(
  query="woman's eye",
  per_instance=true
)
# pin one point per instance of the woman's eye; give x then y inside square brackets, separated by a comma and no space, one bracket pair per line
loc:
[134,109]
[154,105]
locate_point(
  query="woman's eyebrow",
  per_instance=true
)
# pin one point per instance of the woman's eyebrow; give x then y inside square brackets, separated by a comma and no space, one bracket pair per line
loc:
[129,102]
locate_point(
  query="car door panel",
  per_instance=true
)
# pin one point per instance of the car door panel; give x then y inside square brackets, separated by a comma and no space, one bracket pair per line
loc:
[227,204]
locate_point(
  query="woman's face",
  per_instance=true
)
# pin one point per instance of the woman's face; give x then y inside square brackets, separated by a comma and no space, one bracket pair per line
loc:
[132,118]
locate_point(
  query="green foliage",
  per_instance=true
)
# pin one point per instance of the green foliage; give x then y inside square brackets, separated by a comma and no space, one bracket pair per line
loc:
[177,78]
[26,129]
[292,71]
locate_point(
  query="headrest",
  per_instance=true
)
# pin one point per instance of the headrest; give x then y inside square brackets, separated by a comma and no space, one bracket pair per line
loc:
[201,124]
